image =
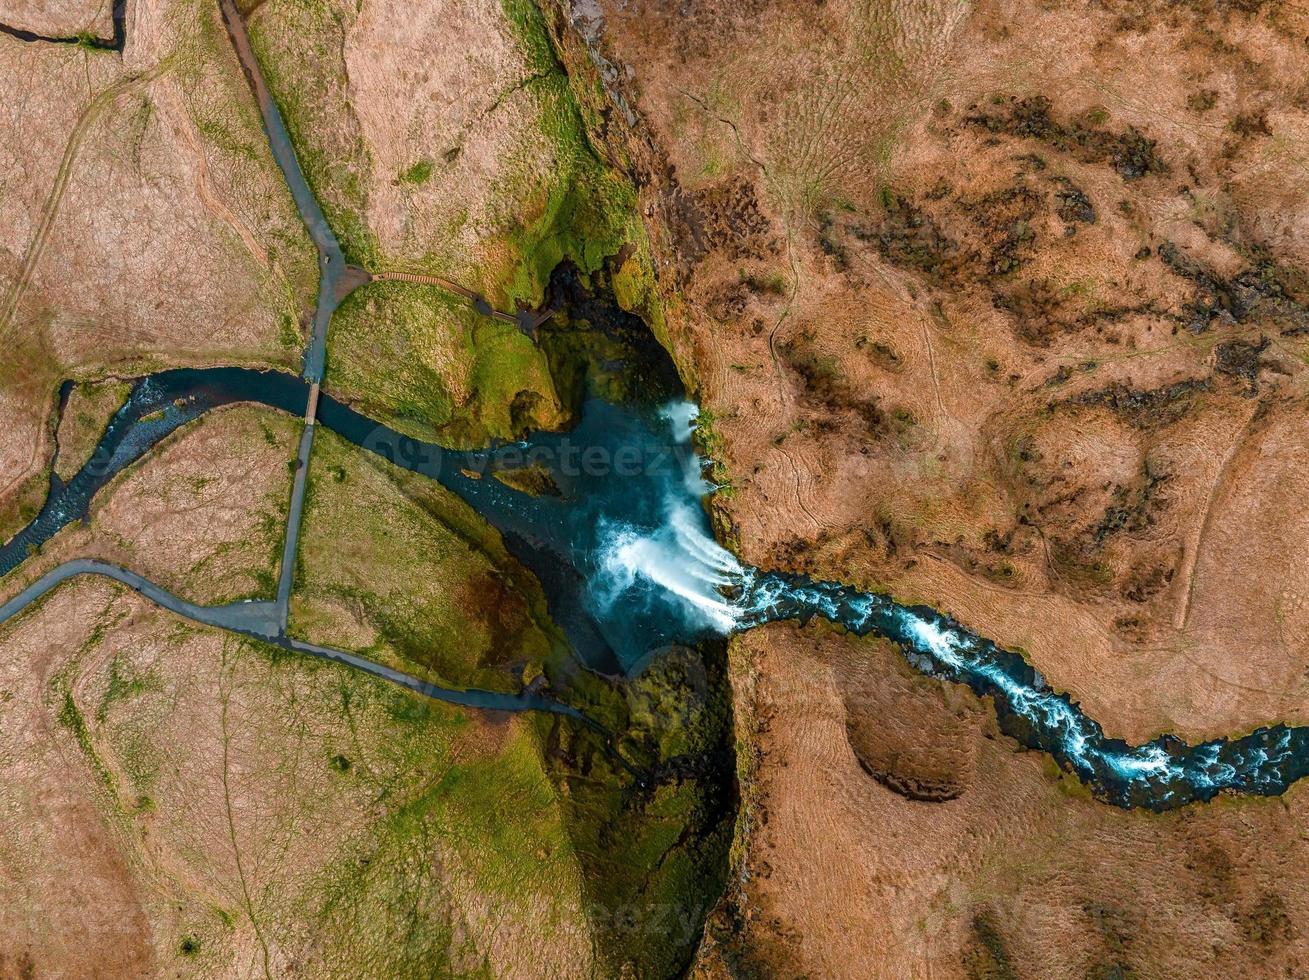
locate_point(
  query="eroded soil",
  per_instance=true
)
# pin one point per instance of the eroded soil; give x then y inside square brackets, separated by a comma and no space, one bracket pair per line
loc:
[1002,308]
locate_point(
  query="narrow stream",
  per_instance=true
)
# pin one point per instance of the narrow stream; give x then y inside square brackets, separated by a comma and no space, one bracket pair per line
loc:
[158,405]
[116,42]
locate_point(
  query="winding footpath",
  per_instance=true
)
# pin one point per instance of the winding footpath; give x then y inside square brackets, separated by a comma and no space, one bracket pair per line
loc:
[332,276]
[669,557]
[261,620]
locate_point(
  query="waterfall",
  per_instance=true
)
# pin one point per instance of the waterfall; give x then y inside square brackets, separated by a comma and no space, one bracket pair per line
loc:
[677,566]
[679,559]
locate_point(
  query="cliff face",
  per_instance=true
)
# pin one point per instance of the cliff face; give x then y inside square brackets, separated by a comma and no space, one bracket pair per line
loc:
[682,226]
[1001,308]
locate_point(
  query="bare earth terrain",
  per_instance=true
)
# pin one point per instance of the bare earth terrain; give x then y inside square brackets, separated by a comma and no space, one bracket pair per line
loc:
[180,804]
[145,224]
[999,868]
[60,18]
[1001,307]
[202,516]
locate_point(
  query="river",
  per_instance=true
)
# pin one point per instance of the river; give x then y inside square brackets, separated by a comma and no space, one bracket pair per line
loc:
[609,516]
[614,528]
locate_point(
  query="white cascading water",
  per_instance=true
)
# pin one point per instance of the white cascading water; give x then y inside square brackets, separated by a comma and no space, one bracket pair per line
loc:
[680,558]
[681,417]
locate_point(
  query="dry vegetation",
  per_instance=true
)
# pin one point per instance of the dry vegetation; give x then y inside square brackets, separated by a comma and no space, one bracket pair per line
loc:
[893,832]
[202,515]
[179,803]
[237,810]
[225,806]
[145,224]
[59,18]
[1018,361]
[1002,308]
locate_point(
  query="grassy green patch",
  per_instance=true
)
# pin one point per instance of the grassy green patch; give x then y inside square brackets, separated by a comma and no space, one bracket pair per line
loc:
[86,416]
[435,833]
[409,353]
[585,212]
[487,826]
[124,683]
[419,173]
[535,480]
[419,568]
[652,850]
[423,359]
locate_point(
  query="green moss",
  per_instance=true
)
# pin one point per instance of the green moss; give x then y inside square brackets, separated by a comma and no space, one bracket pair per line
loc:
[442,814]
[585,217]
[86,416]
[70,716]
[607,225]
[415,333]
[535,480]
[413,355]
[425,572]
[419,173]
[123,684]
[711,445]
[652,850]
[288,332]
[1067,783]
[398,350]
[586,211]
[491,815]
[514,386]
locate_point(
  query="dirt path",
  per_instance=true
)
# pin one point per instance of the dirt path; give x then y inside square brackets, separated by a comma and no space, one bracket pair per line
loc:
[257,620]
[1192,553]
[13,299]
[94,110]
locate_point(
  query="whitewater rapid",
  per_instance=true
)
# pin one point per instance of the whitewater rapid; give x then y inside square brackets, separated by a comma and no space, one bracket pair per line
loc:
[630,566]
[681,559]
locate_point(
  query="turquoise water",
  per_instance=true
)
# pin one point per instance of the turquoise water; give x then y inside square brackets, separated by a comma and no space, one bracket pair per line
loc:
[624,552]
